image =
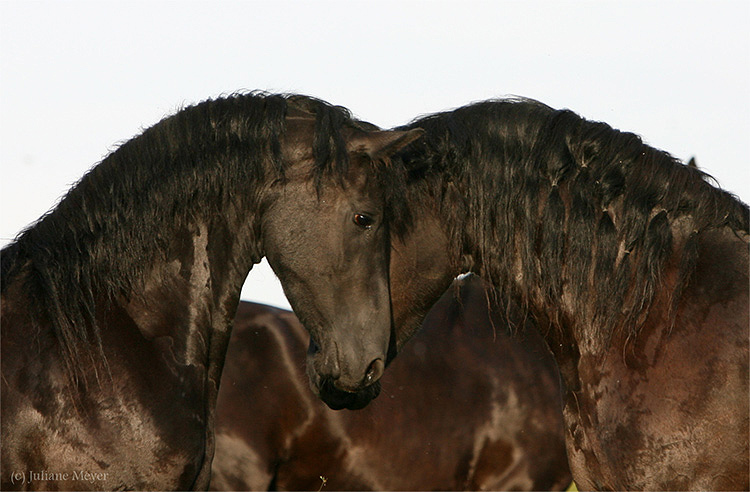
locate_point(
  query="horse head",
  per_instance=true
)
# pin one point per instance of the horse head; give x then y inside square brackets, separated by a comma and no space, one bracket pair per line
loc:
[327,240]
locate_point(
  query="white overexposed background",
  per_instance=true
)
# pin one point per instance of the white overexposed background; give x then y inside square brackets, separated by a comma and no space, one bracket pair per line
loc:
[77,78]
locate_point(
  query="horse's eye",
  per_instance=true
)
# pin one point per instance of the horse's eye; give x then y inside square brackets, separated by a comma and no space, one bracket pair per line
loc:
[363,221]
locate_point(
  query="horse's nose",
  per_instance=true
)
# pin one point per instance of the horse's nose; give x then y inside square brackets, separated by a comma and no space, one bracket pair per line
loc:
[352,384]
[374,371]
[327,366]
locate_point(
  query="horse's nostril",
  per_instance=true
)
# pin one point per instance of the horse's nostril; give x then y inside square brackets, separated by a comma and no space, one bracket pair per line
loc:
[374,371]
[313,348]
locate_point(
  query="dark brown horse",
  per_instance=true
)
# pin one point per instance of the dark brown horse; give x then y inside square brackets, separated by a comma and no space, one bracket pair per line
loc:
[116,306]
[634,267]
[466,406]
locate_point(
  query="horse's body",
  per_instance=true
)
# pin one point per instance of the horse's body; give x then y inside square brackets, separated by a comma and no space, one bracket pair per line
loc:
[465,407]
[633,266]
[116,306]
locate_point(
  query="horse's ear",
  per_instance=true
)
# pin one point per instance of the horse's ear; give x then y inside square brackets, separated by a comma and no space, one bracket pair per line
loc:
[380,144]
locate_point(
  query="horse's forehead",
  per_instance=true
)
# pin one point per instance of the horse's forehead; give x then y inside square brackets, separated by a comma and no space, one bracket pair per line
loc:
[293,112]
[297,148]
[298,138]
[300,122]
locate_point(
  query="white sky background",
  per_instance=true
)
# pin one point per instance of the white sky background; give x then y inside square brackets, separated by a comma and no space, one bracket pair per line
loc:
[77,78]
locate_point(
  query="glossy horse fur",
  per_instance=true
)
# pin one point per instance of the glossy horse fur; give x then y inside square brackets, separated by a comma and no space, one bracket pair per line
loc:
[633,266]
[465,407]
[116,306]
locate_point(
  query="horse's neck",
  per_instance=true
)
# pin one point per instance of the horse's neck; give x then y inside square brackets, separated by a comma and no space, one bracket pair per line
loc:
[719,278]
[186,308]
[190,297]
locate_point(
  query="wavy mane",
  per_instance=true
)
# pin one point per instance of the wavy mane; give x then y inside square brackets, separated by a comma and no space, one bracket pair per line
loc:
[549,203]
[97,242]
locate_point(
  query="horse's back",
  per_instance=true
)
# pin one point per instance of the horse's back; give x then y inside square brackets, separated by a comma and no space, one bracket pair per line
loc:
[262,399]
[498,378]
[462,408]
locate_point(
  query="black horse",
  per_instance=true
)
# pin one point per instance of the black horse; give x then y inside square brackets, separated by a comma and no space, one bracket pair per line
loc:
[466,407]
[116,306]
[633,266]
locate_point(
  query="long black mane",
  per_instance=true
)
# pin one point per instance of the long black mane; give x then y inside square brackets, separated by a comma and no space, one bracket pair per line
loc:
[548,203]
[97,242]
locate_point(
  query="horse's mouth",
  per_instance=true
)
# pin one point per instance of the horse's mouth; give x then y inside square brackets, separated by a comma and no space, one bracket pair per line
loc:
[338,399]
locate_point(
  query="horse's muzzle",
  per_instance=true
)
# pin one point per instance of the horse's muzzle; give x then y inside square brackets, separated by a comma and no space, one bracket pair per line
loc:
[338,399]
[342,388]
